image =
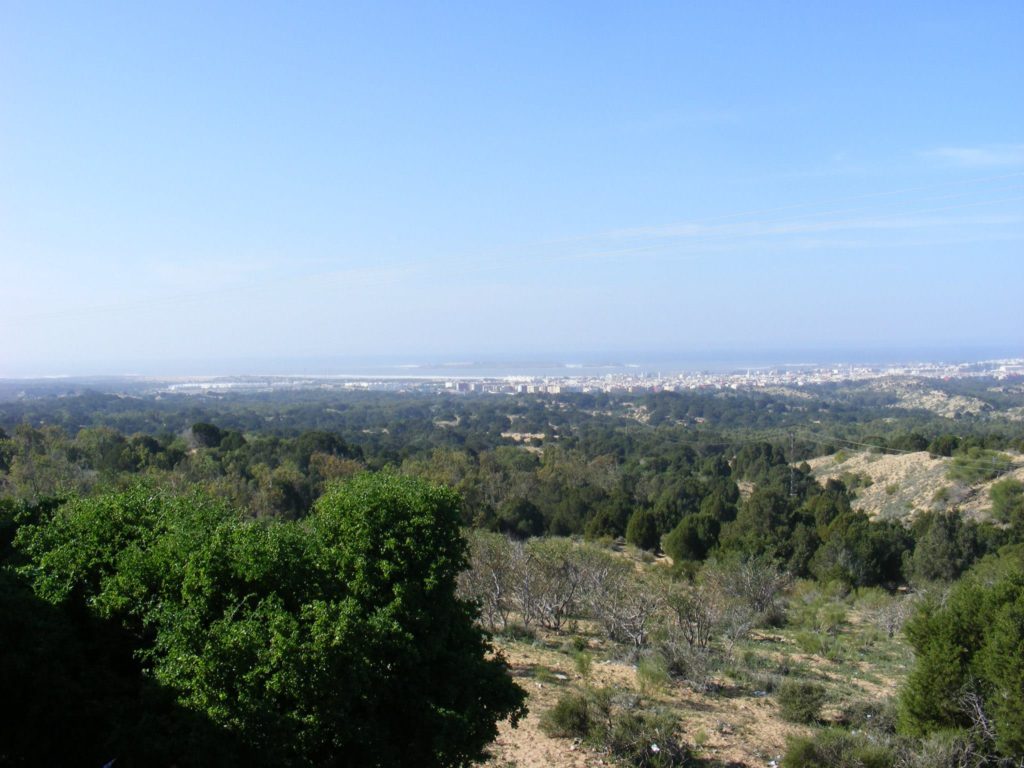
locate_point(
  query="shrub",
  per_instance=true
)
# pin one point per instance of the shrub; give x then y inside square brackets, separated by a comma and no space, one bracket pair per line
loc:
[969,667]
[544,675]
[569,718]
[854,481]
[517,632]
[837,748]
[864,715]
[944,445]
[647,739]
[583,662]
[945,749]
[801,752]
[858,552]
[800,701]
[642,529]
[810,642]
[692,538]
[1008,500]
[652,673]
[764,681]
[756,583]
[946,545]
[977,465]
[695,664]
[625,603]
[830,618]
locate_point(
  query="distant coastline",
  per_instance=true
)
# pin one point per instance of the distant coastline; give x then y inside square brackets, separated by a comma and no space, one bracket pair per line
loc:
[567,365]
[495,379]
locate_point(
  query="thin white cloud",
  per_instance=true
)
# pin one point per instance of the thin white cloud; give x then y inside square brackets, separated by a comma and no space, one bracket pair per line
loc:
[988,156]
[798,227]
[695,240]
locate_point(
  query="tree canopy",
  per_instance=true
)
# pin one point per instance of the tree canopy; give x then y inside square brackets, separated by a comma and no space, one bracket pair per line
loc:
[969,670]
[334,640]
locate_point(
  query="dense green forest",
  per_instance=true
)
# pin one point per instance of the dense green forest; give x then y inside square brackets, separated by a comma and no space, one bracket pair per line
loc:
[272,578]
[575,464]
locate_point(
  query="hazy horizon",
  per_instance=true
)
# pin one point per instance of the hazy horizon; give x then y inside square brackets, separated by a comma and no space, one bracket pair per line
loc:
[192,186]
[566,364]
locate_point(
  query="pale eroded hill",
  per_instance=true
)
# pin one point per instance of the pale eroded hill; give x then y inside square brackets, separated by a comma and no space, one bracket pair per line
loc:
[902,485]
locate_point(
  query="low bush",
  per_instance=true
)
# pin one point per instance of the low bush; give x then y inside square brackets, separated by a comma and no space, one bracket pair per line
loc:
[810,642]
[950,749]
[652,673]
[1008,500]
[864,715]
[583,662]
[693,664]
[517,632]
[837,748]
[800,701]
[826,646]
[546,676]
[976,465]
[647,739]
[571,717]
[765,681]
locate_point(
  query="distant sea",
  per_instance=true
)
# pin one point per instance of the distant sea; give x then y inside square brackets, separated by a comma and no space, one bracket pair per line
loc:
[586,365]
[562,365]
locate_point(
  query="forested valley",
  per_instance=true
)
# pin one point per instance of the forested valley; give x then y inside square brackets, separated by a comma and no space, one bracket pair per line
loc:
[326,578]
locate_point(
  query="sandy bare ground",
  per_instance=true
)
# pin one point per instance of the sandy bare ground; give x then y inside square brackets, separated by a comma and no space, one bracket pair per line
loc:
[917,394]
[730,727]
[527,746]
[906,484]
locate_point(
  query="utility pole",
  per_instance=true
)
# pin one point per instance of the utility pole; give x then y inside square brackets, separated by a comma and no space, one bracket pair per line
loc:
[792,469]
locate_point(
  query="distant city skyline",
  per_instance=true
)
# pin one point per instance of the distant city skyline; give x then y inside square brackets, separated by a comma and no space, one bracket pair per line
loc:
[720,361]
[481,379]
[189,188]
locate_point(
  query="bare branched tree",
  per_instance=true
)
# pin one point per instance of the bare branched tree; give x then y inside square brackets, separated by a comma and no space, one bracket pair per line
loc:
[756,581]
[626,603]
[490,579]
[558,580]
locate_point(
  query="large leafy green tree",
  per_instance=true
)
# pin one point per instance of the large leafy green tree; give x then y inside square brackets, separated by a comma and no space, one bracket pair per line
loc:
[428,693]
[337,640]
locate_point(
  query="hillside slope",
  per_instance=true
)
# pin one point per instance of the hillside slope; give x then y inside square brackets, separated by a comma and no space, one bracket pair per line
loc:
[902,485]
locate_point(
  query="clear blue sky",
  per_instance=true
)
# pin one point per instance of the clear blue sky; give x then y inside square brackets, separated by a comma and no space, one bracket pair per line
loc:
[226,187]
